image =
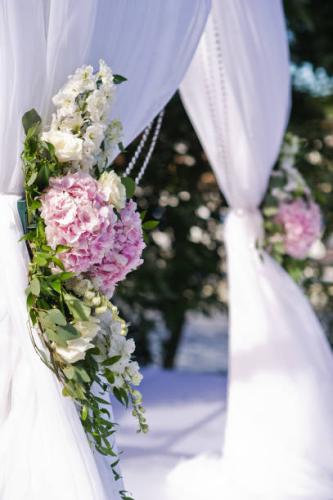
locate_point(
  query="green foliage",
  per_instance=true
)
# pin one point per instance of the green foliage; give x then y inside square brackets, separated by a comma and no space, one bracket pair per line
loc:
[117,79]
[130,186]
[56,311]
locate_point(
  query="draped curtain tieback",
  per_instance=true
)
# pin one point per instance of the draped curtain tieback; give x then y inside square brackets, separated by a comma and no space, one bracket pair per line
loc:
[246,223]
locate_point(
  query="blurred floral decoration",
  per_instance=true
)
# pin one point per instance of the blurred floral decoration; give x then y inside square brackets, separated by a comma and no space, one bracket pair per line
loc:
[292,219]
[185,264]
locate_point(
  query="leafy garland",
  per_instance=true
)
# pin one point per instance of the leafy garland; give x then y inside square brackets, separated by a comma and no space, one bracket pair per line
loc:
[67,309]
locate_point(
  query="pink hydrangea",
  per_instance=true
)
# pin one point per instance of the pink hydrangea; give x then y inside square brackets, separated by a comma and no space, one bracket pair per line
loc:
[125,255]
[301,222]
[77,215]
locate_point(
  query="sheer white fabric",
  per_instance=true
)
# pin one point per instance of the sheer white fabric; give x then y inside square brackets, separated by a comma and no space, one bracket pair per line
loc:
[43,450]
[278,441]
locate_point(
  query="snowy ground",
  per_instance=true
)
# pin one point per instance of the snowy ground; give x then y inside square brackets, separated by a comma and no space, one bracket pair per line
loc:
[186,412]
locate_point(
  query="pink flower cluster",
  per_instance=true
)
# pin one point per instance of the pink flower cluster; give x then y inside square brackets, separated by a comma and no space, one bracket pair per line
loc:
[126,252]
[102,245]
[301,222]
[77,216]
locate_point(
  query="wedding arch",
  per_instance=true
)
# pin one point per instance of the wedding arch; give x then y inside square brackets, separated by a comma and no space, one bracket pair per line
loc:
[43,450]
[279,434]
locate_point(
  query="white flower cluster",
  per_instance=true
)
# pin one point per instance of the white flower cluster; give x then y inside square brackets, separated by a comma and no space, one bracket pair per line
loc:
[105,330]
[114,344]
[80,130]
[291,179]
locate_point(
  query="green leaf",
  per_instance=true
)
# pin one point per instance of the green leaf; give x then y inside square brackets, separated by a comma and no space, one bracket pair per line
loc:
[28,237]
[69,371]
[150,225]
[117,79]
[67,332]
[41,259]
[56,285]
[121,147]
[30,119]
[146,238]
[30,298]
[110,377]
[62,248]
[111,361]
[77,308]
[43,177]
[83,374]
[56,317]
[58,263]
[32,179]
[143,215]
[84,413]
[35,205]
[130,186]
[62,276]
[35,287]
[121,395]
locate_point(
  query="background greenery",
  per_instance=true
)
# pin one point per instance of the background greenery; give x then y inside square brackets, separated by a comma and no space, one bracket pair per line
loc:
[184,267]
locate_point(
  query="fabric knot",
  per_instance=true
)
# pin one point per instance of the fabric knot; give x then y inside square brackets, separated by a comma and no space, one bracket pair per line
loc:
[248,223]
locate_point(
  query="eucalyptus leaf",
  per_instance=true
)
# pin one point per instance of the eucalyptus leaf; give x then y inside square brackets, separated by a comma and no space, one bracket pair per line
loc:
[35,287]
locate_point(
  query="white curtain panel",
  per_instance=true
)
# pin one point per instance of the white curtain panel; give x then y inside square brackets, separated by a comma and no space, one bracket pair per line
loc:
[44,453]
[279,432]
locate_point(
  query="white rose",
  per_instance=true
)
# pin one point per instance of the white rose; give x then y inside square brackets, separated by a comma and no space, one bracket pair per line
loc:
[75,350]
[67,146]
[88,329]
[113,189]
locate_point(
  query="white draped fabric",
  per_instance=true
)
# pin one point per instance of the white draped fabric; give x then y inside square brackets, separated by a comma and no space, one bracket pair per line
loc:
[278,441]
[44,453]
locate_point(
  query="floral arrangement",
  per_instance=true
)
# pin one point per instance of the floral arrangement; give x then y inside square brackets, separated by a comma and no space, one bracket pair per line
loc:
[293,220]
[84,234]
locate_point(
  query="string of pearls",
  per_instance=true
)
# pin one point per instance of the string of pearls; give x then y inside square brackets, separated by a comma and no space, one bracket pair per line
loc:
[138,150]
[141,145]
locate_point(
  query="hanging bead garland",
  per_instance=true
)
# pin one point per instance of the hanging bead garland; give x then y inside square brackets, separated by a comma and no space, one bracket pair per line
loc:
[141,146]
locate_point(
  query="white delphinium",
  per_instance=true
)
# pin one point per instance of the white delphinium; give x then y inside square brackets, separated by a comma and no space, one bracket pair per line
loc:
[133,374]
[112,343]
[79,130]
[112,138]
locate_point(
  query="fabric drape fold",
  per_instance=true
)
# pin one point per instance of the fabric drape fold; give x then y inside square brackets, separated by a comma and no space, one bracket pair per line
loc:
[43,450]
[278,441]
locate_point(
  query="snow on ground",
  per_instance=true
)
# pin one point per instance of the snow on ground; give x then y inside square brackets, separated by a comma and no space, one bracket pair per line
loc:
[186,413]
